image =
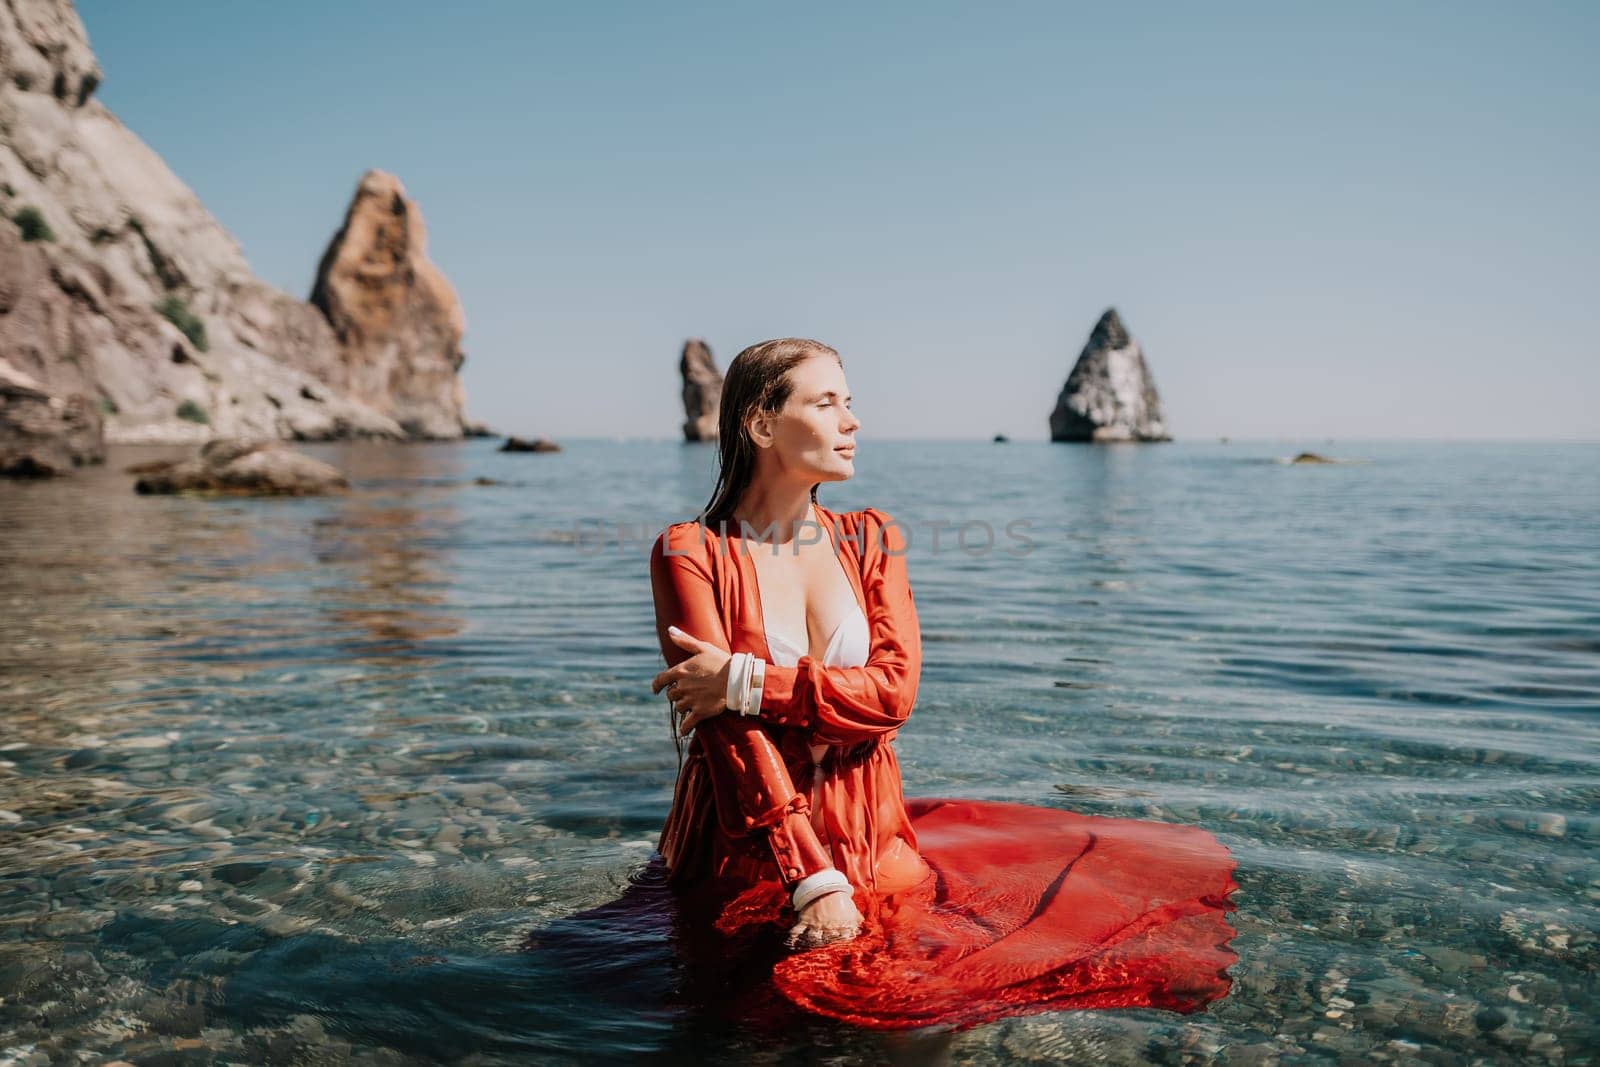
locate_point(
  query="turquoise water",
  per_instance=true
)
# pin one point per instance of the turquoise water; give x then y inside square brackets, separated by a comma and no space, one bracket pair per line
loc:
[298,779]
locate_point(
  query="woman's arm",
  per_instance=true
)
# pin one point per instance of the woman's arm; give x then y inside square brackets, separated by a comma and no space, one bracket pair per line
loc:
[754,792]
[845,705]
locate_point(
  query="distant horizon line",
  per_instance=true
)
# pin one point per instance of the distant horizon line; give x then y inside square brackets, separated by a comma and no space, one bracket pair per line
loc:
[1211,439]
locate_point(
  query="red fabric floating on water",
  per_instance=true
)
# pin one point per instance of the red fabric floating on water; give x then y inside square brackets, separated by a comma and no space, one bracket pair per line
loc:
[1026,910]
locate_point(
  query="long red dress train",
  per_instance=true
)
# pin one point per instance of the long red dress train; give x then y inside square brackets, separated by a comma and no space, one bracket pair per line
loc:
[1030,910]
[974,910]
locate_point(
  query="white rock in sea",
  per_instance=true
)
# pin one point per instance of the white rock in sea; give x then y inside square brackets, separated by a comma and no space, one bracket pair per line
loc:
[1109,396]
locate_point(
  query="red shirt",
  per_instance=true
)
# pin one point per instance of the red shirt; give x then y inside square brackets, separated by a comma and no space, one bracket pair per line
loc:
[740,810]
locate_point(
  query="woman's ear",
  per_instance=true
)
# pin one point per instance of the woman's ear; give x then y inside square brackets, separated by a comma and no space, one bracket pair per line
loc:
[760,427]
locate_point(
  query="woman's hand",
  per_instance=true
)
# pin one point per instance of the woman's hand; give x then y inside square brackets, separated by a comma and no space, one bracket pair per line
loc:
[828,918]
[699,685]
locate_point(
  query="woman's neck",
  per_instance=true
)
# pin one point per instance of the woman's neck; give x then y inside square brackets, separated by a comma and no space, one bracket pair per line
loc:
[772,513]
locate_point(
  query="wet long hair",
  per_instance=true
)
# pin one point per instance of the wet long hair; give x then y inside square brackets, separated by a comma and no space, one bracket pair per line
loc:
[757,381]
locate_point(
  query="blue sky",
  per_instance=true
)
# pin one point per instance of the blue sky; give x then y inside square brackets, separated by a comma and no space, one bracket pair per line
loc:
[1330,220]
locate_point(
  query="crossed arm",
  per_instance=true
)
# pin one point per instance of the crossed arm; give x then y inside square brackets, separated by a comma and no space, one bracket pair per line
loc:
[752,786]
[835,705]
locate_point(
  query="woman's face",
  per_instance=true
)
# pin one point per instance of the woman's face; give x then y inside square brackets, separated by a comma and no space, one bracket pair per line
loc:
[814,435]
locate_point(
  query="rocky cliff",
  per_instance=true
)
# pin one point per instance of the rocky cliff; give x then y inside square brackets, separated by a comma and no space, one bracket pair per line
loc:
[702,391]
[1109,396]
[118,287]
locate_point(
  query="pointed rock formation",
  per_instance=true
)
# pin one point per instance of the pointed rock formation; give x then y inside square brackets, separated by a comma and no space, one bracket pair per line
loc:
[118,287]
[1109,396]
[702,391]
[395,316]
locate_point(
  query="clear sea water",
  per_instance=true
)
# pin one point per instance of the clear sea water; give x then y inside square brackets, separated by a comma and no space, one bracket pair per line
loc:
[295,780]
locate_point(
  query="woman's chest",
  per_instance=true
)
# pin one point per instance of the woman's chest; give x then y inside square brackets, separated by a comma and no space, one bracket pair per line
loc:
[803,596]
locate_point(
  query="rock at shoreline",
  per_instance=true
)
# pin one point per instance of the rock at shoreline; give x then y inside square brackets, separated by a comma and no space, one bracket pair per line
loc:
[396,317]
[1312,457]
[702,391]
[43,435]
[245,468]
[117,285]
[1109,396]
[538,444]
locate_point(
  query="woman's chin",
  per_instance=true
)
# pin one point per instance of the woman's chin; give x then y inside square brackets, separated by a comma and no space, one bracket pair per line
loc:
[834,470]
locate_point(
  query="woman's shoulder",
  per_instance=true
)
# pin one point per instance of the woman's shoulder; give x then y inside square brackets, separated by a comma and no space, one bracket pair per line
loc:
[689,537]
[861,517]
[870,528]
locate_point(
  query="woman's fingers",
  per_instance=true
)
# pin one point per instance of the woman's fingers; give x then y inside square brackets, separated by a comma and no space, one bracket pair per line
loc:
[707,710]
[668,678]
[694,718]
[694,681]
[684,640]
[672,674]
[804,935]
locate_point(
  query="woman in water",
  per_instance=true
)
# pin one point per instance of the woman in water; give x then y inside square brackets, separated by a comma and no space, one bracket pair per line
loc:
[794,655]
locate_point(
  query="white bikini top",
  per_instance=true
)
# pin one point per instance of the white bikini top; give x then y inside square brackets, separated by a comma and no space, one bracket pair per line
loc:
[848,647]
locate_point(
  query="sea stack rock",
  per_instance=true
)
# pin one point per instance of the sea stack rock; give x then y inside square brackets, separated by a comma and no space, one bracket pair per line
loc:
[702,391]
[119,288]
[1109,396]
[394,314]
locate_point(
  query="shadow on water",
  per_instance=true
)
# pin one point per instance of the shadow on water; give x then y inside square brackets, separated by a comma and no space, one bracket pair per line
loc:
[640,975]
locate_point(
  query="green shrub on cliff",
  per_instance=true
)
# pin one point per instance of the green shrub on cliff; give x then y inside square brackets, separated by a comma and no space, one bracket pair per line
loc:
[175,311]
[193,412]
[33,225]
